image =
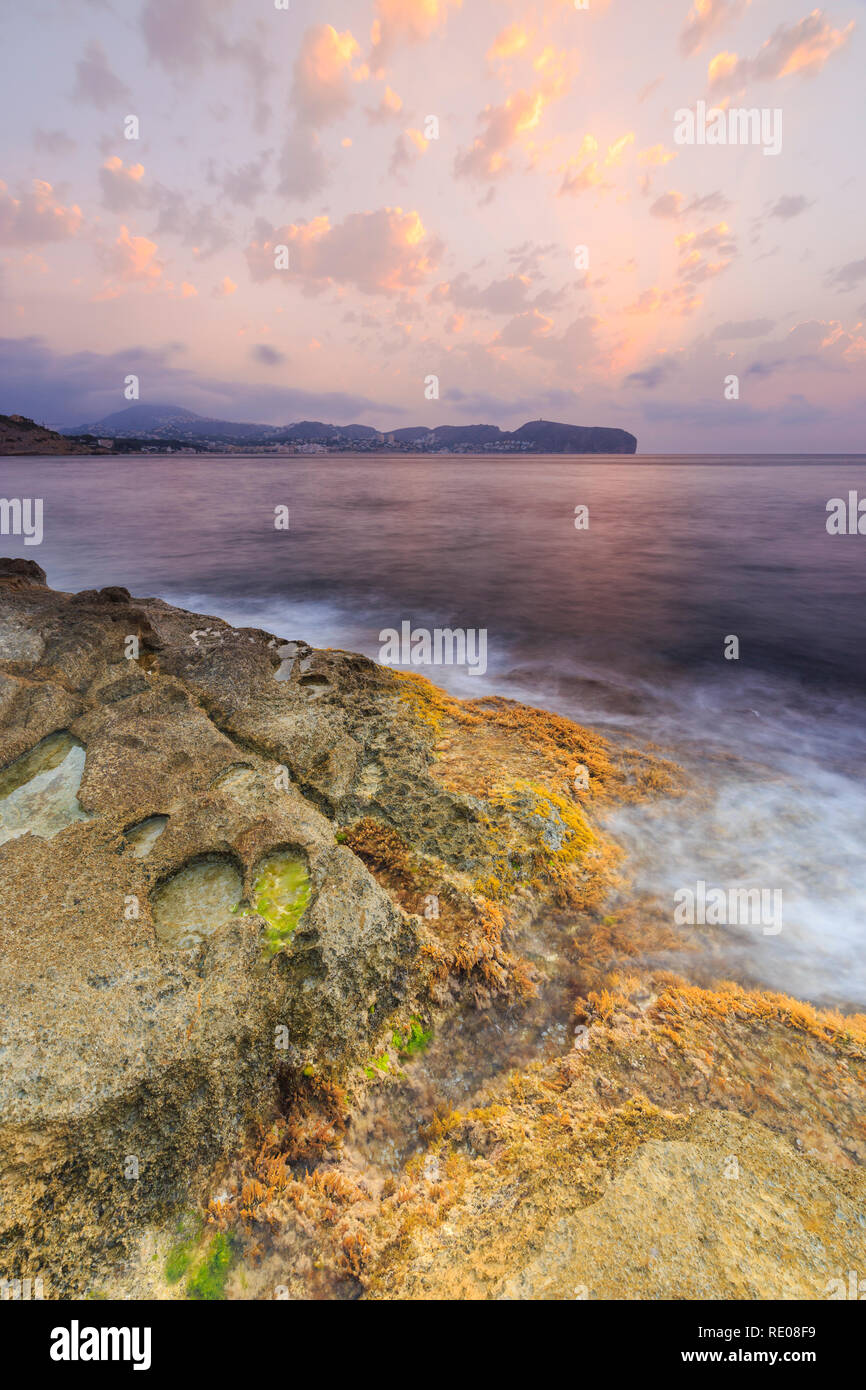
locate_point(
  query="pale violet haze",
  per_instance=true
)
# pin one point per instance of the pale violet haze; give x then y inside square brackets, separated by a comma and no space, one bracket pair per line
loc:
[596,212]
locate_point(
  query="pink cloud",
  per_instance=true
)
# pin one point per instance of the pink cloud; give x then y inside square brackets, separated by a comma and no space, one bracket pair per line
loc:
[383,252]
[36,215]
[707,17]
[130,260]
[803,48]
[122,186]
[324,75]
[406,22]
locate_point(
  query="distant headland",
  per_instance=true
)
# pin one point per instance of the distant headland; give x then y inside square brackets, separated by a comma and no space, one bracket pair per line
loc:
[171,429]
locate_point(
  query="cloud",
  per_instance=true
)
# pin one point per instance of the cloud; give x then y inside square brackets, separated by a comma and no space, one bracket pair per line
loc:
[130,260]
[744,328]
[224,289]
[509,295]
[389,108]
[531,332]
[53,142]
[301,165]
[408,148]
[73,388]
[323,75]
[668,205]
[181,36]
[674,204]
[813,345]
[656,154]
[707,17]
[678,302]
[36,216]
[198,226]
[267,355]
[576,347]
[705,415]
[650,377]
[761,369]
[790,205]
[648,88]
[487,157]
[244,184]
[406,22]
[186,37]
[848,277]
[95,83]
[511,407]
[585,170]
[529,256]
[122,187]
[509,42]
[525,329]
[520,114]
[385,252]
[802,48]
[693,266]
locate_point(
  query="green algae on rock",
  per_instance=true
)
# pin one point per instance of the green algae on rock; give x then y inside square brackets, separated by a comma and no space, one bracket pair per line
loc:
[281,894]
[203,1265]
[208,1280]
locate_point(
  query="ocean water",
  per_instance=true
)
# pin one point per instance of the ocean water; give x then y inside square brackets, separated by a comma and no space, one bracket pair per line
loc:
[622,625]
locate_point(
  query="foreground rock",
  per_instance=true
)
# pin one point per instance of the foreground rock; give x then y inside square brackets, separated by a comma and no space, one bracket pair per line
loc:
[341,974]
[129,1067]
[153,759]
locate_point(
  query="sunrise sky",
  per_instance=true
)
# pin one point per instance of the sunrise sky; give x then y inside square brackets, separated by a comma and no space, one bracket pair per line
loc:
[411,256]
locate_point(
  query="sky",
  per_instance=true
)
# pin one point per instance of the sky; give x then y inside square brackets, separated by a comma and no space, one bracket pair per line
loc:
[431,212]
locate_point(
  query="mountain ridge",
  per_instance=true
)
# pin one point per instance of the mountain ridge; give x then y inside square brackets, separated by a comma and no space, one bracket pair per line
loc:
[174,423]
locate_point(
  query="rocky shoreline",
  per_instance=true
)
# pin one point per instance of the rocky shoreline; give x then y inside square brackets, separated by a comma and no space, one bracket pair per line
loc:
[319,982]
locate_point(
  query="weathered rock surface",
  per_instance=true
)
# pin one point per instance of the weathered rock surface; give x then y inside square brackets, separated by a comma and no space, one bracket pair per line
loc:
[709,1147]
[582,1122]
[129,1068]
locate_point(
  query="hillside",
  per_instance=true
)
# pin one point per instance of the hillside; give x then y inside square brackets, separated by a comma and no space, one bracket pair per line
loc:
[18,435]
[169,422]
